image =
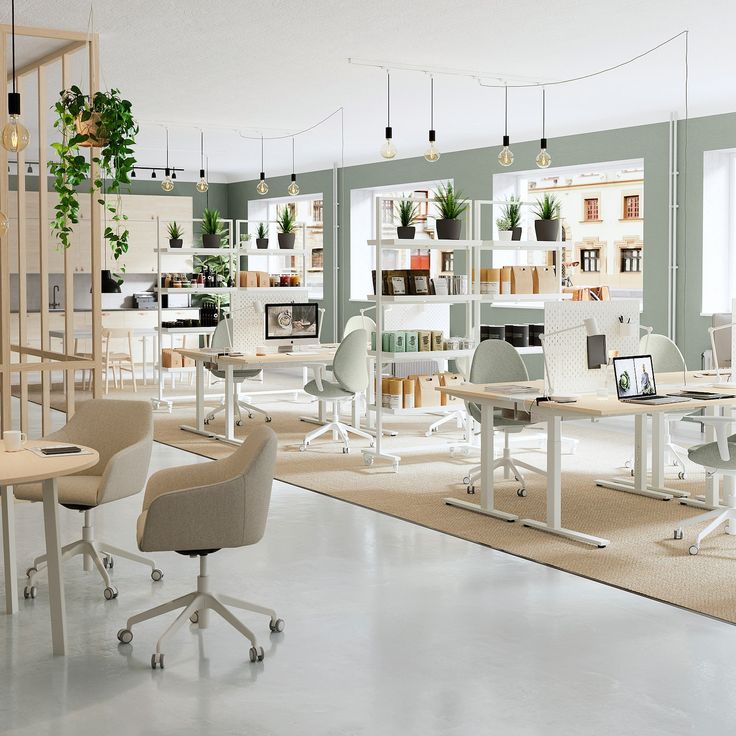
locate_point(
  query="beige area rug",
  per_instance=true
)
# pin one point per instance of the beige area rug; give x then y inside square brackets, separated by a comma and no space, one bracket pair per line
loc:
[642,556]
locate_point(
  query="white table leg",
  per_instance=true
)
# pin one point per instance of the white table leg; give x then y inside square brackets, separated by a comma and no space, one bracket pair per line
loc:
[53,552]
[144,343]
[486,472]
[553,525]
[199,390]
[11,577]
[229,399]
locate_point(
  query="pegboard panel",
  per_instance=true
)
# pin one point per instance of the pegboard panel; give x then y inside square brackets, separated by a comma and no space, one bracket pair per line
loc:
[248,310]
[416,317]
[567,354]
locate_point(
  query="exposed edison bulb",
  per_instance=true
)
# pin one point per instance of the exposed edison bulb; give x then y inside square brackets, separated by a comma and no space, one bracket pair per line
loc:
[15,135]
[388,150]
[167,184]
[202,185]
[543,159]
[432,153]
[293,188]
[3,224]
[262,187]
[506,156]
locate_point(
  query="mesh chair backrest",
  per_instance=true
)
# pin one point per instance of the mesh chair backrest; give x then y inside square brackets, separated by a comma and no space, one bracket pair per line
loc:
[350,365]
[666,356]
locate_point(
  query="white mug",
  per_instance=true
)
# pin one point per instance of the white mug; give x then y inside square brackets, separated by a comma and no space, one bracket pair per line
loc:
[14,441]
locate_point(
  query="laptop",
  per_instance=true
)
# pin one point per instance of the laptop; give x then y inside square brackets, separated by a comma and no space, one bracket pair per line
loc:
[635,382]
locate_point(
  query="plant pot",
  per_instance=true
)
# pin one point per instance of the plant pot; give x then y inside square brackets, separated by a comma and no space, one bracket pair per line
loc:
[92,129]
[516,233]
[449,229]
[262,243]
[175,242]
[406,232]
[286,240]
[505,234]
[547,229]
[211,241]
[108,284]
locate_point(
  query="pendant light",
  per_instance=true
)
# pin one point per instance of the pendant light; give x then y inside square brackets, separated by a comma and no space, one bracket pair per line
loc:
[432,153]
[293,188]
[153,174]
[167,184]
[15,135]
[505,156]
[543,158]
[133,174]
[262,187]
[202,185]
[388,149]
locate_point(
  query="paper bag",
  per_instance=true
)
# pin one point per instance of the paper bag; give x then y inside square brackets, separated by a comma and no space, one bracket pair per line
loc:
[545,280]
[522,281]
[425,393]
[450,380]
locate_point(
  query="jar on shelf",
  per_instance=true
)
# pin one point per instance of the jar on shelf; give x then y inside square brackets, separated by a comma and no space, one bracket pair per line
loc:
[274,279]
[284,279]
[294,279]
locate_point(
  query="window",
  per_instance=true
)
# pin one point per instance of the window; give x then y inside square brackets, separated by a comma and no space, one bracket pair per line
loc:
[590,260]
[448,261]
[631,207]
[590,209]
[631,260]
[387,212]
[317,210]
[317,258]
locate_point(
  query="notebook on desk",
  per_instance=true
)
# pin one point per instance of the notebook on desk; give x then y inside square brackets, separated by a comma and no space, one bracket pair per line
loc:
[636,384]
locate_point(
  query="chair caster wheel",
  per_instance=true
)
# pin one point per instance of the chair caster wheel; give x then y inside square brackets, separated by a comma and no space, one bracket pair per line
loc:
[694,549]
[29,591]
[268,419]
[466,480]
[302,448]
[367,460]
[239,423]
[194,618]
[345,450]
[206,421]
[471,490]
[156,575]
[631,472]
[108,562]
[110,593]
[256,654]
[277,626]
[157,660]
[31,571]
[677,534]
[372,444]
[521,492]
[681,476]
[125,636]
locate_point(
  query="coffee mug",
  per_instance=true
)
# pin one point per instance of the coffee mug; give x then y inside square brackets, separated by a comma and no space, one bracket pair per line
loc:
[14,441]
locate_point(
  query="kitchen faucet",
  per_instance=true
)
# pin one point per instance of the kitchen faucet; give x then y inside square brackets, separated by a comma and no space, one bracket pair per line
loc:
[54,304]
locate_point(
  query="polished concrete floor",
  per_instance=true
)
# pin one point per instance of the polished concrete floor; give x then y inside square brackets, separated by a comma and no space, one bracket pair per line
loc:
[391,629]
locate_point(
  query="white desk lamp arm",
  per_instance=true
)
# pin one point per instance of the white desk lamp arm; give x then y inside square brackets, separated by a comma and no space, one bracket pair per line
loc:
[721,425]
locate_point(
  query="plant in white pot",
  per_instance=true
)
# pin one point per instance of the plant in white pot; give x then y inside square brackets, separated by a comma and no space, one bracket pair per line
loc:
[408,212]
[286,223]
[262,236]
[505,231]
[511,211]
[547,211]
[450,207]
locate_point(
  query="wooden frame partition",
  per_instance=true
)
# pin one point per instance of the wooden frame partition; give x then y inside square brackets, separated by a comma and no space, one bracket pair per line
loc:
[26,354]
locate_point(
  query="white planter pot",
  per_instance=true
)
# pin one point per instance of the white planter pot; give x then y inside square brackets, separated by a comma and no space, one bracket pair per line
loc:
[505,234]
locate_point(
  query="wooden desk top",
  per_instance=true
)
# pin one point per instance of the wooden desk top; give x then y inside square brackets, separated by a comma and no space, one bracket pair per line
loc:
[26,467]
[322,356]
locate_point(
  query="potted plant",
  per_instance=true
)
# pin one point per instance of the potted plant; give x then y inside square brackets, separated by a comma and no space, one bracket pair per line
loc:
[511,211]
[212,229]
[175,232]
[408,212]
[262,236]
[505,231]
[286,223]
[450,206]
[547,224]
[103,122]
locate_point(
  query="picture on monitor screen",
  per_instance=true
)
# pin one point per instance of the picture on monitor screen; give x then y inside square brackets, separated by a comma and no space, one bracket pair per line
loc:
[291,321]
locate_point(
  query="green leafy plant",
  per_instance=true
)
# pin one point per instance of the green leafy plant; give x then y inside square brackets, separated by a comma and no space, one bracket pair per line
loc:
[450,204]
[103,122]
[547,208]
[175,230]
[212,224]
[262,231]
[408,212]
[511,211]
[285,220]
[244,237]
[503,223]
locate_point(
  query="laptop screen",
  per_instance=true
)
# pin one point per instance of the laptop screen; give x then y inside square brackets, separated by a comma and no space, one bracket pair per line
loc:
[634,376]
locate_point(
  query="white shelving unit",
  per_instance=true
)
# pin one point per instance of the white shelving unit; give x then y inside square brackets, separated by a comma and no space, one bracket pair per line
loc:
[162,256]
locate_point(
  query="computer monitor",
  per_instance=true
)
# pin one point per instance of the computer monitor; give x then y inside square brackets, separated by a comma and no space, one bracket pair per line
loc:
[288,325]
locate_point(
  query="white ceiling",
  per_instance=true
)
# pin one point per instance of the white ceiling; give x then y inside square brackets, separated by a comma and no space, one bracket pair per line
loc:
[277,66]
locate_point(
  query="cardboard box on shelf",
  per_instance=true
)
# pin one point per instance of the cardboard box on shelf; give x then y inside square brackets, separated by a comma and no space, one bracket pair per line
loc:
[437,339]
[411,343]
[397,342]
[395,393]
[425,340]
[170,358]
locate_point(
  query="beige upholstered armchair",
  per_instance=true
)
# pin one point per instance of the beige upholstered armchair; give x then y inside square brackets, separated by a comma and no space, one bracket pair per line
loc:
[199,509]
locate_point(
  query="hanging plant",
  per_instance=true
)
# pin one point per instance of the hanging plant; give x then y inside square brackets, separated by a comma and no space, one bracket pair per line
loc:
[104,123]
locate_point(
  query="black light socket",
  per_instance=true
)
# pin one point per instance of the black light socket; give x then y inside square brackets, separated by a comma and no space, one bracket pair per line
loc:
[389,132]
[173,174]
[431,136]
[263,176]
[201,173]
[543,143]
[506,141]
[13,103]
[167,172]
[293,177]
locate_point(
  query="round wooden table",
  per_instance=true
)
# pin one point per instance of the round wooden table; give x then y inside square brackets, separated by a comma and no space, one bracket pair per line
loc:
[25,466]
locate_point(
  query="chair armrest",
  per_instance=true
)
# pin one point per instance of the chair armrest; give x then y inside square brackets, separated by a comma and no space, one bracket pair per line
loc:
[721,425]
[126,471]
[208,517]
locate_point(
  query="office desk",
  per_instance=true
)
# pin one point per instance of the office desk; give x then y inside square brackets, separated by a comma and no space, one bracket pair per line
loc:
[21,467]
[317,361]
[551,413]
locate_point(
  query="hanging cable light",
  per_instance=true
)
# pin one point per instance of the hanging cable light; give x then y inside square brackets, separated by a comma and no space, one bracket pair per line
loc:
[505,156]
[167,184]
[133,174]
[153,174]
[293,188]
[388,149]
[432,153]
[29,169]
[15,135]
[262,187]
[202,185]
[543,158]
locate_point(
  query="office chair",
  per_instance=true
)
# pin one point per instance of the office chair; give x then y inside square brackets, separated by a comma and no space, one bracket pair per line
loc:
[122,433]
[222,337]
[496,361]
[350,372]
[197,510]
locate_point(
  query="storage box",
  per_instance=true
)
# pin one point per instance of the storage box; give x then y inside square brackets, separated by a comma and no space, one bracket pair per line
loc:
[385,390]
[506,280]
[518,335]
[425,340]
[522,280]
[386,341]
[170,358]
[396,342]
[545,280]
[492,332]
[409,387]
[437,339]
[450,380]
[534,333]
[411,342]
[395,393]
